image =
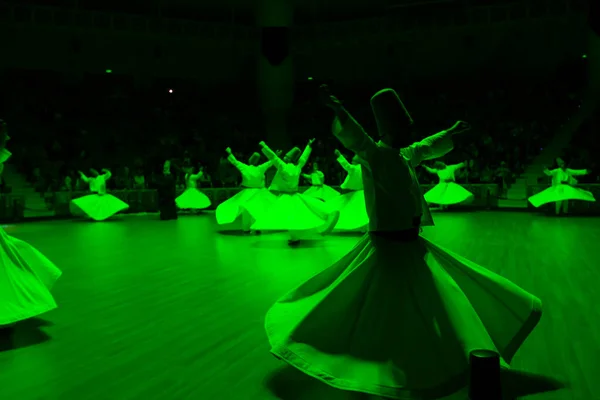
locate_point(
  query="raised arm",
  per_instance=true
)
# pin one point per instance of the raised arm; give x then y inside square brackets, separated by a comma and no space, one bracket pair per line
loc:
[349,132]
[342,160]
[83,177]
[231,158]
[429,148]
[305,154]
[456,167]
[265,166]
[107,174]
[434,146]
[577,172]
[197,176]
[430,170]
[549,172]
[271,155]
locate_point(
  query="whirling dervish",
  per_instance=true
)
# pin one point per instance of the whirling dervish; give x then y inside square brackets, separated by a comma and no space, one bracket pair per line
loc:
[300,215]
[318,189]
[100,205]
[252,200]
[562,189]
[446,192]
[351,205]
[398,315]
[192,198]
[26,275]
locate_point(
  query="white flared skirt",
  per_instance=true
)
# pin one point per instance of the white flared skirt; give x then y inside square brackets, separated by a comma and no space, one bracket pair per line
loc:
[97,207]
[293,212]
[253,201]
[560,193]
[399,319]
[26,277]
[192,199]
[448,193]
[353,211]
[322,192]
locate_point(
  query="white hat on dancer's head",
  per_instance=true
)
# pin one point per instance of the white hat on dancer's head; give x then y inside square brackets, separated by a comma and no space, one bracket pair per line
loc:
[292,155]
[394,122]
[253,160]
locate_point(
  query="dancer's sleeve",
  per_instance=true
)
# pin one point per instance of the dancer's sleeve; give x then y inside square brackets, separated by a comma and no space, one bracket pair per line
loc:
[577,172]
[270,154]
[197,176]
[429,148]
[238,164]
[265,166]
[4,154]
[430,170]
[107,174]
[549,172]
[352,135]
[83,177]
[344,163]
[304,157]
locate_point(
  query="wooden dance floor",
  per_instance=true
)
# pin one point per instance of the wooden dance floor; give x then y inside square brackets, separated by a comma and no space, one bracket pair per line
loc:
[153,309]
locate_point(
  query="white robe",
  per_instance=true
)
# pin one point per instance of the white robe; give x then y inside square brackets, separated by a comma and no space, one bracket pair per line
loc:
[398,315]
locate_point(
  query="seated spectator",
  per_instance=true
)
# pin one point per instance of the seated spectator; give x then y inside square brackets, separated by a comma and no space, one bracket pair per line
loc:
[139,180]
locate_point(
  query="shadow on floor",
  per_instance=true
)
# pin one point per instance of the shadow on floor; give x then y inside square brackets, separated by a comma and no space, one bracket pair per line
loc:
[283,244]
[24,334]
[287,383]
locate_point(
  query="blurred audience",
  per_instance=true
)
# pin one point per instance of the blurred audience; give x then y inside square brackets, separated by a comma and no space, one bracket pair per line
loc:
[58,131]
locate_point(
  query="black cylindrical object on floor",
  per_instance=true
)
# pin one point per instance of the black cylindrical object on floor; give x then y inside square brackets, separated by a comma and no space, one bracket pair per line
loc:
[484,375]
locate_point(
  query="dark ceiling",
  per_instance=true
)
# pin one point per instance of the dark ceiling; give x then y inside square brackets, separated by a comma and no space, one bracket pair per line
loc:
[241,11]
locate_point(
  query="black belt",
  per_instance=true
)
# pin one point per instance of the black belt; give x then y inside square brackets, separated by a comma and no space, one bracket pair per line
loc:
[406,235]
[278,192]
[248,187]
[447,181]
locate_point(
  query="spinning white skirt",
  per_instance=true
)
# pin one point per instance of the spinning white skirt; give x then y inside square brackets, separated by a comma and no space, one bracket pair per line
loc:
[293,212]
[398,319]
[447,193]
[253,201]
[97,206]
[323,192]
[560,193]
[353,211]
[26,277]
[192,199]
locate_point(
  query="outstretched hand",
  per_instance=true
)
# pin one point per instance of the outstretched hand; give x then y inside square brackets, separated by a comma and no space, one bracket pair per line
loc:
[327,98]
[278,152]
[262,144]
[228,150]
[460,127]
[337,153]
[311,141]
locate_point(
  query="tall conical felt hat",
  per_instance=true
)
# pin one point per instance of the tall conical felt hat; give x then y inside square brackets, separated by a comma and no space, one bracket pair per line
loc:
[391,115]
[254,158]
[293,154]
